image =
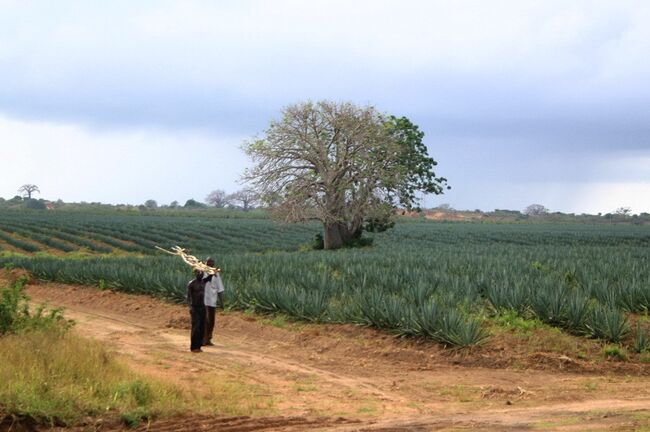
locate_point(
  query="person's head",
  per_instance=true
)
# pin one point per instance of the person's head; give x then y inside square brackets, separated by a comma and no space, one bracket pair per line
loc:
[209,261]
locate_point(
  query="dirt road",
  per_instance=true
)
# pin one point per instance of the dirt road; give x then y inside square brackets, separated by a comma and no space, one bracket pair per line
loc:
[267,374]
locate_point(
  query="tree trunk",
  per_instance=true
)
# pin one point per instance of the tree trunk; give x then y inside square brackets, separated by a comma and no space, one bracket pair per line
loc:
[333,239]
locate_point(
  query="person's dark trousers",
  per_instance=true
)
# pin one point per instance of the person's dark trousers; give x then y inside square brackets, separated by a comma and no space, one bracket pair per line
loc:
[210,316]
[198,327]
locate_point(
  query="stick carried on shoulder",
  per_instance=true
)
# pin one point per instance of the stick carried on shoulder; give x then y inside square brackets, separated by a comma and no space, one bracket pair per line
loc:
[190,260]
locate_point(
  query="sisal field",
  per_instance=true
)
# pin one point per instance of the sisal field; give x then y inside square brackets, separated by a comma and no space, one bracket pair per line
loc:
[438,280]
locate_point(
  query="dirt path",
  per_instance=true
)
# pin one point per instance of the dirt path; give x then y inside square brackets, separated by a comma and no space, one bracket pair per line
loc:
[291,377]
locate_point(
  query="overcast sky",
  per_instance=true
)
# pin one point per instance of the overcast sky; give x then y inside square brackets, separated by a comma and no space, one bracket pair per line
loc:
[521,101]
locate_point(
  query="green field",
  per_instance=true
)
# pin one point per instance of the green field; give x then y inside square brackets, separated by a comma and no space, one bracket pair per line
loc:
[435,279]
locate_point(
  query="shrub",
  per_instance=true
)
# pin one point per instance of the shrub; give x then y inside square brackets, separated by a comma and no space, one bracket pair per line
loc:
[15,315]
[318,243]
[511,319]
[615,352]
[10,302]
[34,204]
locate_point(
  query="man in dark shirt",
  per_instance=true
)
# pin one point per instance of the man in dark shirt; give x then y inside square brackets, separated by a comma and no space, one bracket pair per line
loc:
[196,302]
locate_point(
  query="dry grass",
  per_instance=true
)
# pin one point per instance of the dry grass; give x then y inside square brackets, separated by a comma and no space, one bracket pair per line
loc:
[59,378]
[230,394]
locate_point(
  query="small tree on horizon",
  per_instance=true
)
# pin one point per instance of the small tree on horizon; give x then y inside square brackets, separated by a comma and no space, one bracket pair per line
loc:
[28,189]
[535,210]
[217,198]
[445,208]
[247,199]
[192,203]
[623,211]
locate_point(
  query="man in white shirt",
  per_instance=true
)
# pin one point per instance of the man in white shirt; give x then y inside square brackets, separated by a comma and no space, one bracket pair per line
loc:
[213,295]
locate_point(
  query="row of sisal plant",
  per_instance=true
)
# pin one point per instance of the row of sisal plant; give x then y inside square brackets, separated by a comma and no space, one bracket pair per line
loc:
[140,234]
[414,282]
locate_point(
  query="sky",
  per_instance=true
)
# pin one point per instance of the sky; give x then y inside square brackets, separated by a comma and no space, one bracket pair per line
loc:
[521,101]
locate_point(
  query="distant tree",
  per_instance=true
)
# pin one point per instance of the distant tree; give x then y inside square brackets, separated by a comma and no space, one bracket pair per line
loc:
[445,208]
[623,211]
[192,203]
[151,204]
[535,210]
[28,189]
[246,199]
[217,198]
[174,204]
[15,200]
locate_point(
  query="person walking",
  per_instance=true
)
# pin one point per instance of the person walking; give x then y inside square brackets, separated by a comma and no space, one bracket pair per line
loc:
[213,295]
[196,302]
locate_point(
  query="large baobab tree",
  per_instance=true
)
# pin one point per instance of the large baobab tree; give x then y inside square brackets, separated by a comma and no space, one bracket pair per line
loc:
[344,165]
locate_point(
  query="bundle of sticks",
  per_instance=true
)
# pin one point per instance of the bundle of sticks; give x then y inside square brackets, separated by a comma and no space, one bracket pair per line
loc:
[190,260]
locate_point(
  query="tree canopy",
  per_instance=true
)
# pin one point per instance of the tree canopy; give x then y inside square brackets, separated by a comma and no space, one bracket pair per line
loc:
[217,198]
[344,165]
[245,199]
[535,210]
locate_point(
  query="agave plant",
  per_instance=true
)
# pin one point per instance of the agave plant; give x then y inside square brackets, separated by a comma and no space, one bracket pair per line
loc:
[576,311]
[641,339]
[609,323]
[460,331]
[548,303]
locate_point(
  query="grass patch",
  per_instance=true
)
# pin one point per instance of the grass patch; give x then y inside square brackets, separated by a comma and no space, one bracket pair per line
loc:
[591,386]
[461,393]
[232,395]
[615,352]
[59,378]
[542,338]
[559,423]
[306,384]
[510,319]
[279,320]
[367,409]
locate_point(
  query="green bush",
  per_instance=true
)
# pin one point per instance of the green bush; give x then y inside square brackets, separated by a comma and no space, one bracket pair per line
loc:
[15,315]
[510,319]
[616,352]
[12,305]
